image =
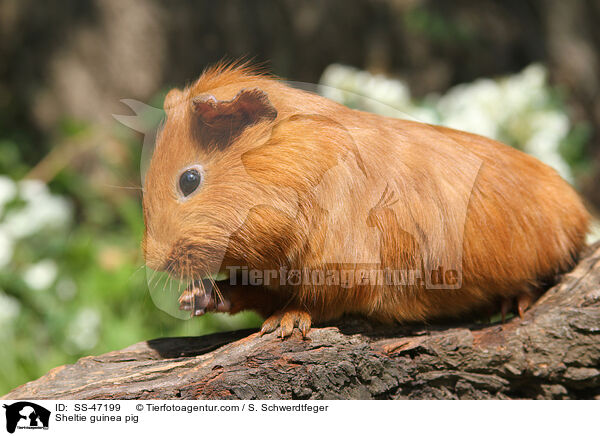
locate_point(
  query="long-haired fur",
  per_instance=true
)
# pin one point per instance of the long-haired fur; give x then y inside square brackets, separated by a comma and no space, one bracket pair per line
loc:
[324,187]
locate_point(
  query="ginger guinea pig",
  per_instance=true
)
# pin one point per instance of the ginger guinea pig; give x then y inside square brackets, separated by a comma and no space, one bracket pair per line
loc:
[313,210]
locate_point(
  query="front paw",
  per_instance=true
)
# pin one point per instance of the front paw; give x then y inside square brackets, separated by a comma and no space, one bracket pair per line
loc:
[201,297]
[286,320]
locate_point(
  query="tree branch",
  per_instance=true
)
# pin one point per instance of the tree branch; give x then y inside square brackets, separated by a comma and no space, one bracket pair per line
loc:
[554,352]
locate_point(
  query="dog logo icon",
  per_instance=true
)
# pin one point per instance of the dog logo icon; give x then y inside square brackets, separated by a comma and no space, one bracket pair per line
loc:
[26,415]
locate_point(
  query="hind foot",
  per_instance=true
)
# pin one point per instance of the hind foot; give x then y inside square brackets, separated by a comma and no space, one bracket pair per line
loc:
[523,302]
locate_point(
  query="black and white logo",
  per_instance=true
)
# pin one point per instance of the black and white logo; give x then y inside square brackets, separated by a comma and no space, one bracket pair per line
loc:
[26,415]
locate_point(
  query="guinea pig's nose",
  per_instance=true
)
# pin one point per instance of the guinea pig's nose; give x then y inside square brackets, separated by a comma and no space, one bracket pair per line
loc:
[155,254]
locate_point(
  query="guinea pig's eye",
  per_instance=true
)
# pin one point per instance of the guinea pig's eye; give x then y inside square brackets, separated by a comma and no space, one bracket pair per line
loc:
[189,181]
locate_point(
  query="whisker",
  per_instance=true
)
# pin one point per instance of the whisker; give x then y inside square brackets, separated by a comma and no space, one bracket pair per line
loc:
[202,287]
[159,277]
[153,275]
[136,188]
[215,288]
[193,284]
[180,280]
[167,277]
[135,272]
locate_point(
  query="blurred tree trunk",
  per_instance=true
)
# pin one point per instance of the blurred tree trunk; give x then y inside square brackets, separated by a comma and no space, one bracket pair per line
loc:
[76,60]
[573,40]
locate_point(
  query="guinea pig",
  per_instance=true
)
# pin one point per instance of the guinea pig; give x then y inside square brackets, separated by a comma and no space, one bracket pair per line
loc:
[313,211]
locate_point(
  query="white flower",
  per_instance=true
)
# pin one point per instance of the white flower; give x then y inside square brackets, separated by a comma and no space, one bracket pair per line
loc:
[472,120]
[482,97]
[9,310]
[8,191]
[6,248]
[363,90]
[41,275]
[422,114]
[31,190]
[392,92]
[549,128]
[331,92]
[83,332]
[525,91]
[42,210]
[553,124]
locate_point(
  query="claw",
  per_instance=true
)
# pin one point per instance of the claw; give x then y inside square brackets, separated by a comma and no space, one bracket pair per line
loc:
[287,324]
[270,324]
[304,325]
[523,303]
[286,320]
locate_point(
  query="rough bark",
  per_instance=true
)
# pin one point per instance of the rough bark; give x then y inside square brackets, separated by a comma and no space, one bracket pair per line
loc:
[553,352]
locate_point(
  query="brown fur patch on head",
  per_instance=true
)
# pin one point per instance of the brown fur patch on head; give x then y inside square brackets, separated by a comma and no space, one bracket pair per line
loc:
[222,121]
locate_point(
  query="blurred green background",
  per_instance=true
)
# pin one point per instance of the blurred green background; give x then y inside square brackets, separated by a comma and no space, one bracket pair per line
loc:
[72,281]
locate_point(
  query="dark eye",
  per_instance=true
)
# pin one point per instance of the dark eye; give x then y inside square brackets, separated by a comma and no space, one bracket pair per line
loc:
[189,181]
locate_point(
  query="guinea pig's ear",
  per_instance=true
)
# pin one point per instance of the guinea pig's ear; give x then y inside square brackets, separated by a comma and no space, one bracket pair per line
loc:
[221,121]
